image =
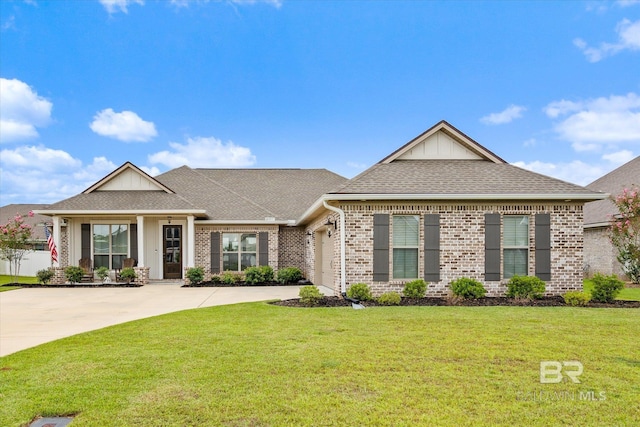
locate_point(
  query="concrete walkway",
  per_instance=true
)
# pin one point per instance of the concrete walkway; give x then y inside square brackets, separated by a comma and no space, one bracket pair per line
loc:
[29,317]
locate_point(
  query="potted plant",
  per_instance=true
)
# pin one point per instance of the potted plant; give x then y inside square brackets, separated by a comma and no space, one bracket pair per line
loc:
[128,274]
[103,274]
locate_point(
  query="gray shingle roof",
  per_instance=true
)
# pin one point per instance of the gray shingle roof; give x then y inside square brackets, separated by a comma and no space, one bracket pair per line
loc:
[450,177]
[614,182]
[123,201]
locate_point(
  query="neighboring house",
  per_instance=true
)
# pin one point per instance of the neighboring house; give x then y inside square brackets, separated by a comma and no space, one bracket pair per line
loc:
[39,258]
[600,256]
[439,208]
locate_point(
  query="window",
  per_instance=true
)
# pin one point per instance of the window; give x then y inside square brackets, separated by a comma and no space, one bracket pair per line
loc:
[515,241]
[110,245]
[406,235]
[238,251]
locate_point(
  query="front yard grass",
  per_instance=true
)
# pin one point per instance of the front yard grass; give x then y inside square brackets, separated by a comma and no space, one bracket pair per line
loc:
[628,293]
[256,365]
[5,279]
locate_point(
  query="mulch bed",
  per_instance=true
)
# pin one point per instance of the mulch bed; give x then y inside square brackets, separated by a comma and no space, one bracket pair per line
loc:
[481,302]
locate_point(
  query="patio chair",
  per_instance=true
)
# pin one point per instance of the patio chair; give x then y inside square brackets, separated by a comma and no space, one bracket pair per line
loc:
[85,264]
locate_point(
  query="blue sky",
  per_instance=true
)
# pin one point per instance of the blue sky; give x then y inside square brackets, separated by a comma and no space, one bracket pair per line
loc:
[88,85]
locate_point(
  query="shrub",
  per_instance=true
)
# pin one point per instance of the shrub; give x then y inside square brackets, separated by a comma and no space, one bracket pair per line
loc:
[102,273]
[310,295]
[260,274]
[360,291]
[389,298]
[73,273]
[528,287]
[230,277]
[606,288]
[128,274]
[415,289]
[466,288]
[195,275]
[576,298]
[289,275]
[216,278]
[44,276]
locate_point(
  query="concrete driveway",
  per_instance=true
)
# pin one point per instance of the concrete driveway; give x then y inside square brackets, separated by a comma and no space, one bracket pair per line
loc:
[29,317]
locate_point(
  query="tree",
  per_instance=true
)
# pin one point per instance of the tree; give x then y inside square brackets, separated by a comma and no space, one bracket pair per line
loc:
[625,231]
[14,243]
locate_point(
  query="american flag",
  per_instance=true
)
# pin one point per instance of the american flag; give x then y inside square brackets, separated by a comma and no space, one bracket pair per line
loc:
[52,244]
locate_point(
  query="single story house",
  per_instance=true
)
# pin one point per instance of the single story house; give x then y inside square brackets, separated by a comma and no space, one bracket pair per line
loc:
[440,207]
[600,256]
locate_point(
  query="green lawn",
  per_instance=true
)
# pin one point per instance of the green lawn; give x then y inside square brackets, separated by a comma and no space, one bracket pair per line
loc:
[5,279]
[261,365]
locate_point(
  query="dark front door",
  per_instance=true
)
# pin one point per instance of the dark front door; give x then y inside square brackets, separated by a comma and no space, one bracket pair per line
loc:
[172,249]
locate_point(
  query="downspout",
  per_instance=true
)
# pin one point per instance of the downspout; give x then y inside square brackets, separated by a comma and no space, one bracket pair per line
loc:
[343,246]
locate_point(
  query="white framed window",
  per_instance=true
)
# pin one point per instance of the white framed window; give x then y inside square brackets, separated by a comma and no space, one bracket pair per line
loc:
[110,244]
[515,243]
[239,251]
[406,237]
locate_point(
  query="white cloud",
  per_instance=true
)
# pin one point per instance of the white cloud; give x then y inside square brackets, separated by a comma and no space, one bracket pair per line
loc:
[38,174]
[126,126]
[627,3]
[114,6]
[356,165]
[21,111]
[619,157]
[509,114]
[186,3]
[594,123]
[152,171]
[628,39]
[202,152]
[576,171]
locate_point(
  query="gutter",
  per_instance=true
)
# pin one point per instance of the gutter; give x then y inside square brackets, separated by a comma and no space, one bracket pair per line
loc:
[343,246]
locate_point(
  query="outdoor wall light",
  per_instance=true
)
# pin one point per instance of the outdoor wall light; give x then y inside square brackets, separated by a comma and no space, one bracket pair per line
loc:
[169,219]
[329,223]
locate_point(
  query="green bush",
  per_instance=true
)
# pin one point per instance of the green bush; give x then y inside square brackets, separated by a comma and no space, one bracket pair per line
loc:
[195,275]
[606,288]
[102,273]
[262,274]
[466,288]
[415,289]
[389,298]
[360,291]
[576,298]
[73,273]
[289,275]
[44,276]
[230,277]
[310,295]
[528,287]
[128,274]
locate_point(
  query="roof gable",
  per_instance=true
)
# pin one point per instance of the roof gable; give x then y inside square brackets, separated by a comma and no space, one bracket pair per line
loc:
[442,142]
[128,177]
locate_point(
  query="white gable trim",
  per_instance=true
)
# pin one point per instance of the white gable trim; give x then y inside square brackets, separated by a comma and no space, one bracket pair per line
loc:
[128,177]
[442,141]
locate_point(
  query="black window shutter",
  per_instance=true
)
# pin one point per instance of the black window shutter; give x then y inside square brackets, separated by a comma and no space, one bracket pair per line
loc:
[491,247]
[380,247]
[86,240]
[543,246]
[215,252]
[134,240]
[263,248]
[432,247]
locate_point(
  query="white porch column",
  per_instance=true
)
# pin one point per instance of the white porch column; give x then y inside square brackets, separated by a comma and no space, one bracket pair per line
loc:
[141,248]
[56,239]
[191,242]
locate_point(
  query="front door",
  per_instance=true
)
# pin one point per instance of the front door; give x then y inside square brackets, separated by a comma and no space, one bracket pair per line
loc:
[172,249]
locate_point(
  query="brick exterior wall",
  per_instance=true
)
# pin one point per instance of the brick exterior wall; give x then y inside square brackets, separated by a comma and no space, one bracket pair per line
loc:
[599,253]
[461,243]
[203,242]
[291,247]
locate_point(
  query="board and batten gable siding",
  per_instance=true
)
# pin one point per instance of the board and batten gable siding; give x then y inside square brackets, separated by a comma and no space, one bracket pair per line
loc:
[129,180]
[462,243]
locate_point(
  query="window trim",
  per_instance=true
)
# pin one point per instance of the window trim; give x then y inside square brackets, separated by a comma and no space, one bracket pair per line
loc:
[239,252]
[394,247]
[110,254]
[526,246]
